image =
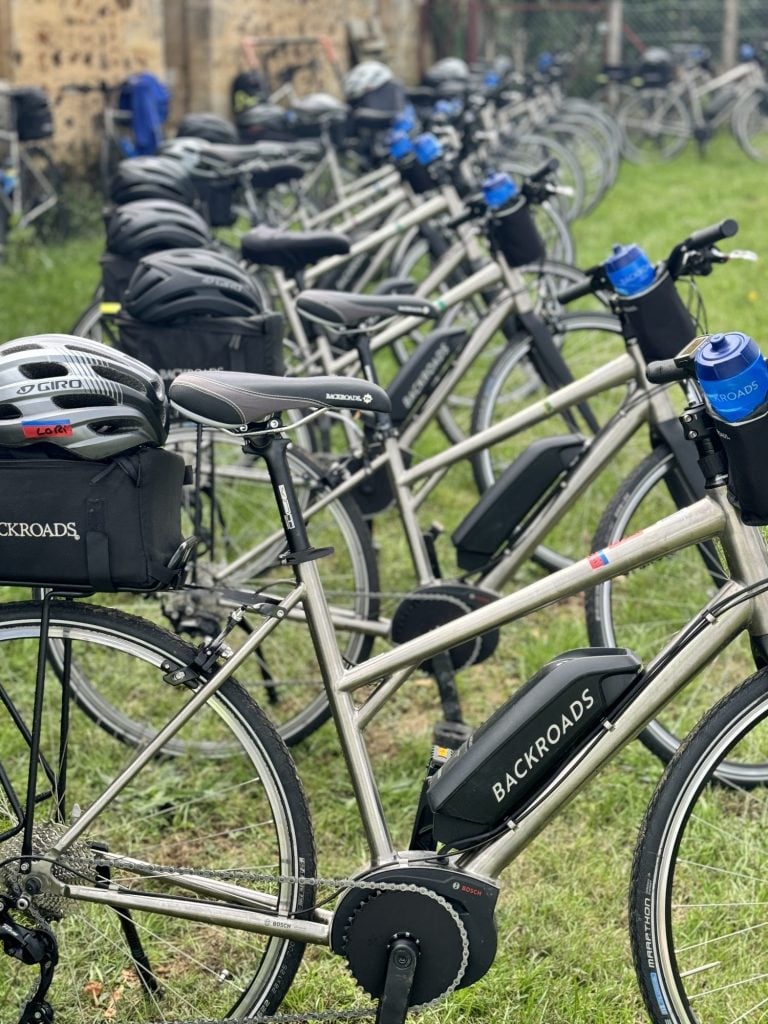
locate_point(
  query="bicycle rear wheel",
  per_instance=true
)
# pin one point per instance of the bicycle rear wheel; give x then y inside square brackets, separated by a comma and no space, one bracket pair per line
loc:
[698,890]
[241,542]
[185,814]
[656,126]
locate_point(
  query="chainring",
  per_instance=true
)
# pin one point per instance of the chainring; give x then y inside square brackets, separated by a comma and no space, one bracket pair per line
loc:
[378,918]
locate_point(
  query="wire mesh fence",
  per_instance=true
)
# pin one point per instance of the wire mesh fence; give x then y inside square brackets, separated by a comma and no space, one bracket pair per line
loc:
[579,28]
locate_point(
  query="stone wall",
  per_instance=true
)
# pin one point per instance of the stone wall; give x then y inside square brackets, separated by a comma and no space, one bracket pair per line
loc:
[54,43]
[194,45]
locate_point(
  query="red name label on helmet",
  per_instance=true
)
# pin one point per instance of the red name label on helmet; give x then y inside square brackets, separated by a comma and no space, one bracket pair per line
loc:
[46,429]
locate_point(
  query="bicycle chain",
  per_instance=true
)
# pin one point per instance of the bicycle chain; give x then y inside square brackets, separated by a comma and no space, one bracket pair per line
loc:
[315,882]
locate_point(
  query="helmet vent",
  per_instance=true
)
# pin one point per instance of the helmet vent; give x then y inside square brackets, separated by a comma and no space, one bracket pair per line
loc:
[115,426]
[37,371]
[120,375]
[9,412]
[75,401]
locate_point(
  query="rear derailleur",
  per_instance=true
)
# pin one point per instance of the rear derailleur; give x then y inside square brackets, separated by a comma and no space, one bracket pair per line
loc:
[31,946]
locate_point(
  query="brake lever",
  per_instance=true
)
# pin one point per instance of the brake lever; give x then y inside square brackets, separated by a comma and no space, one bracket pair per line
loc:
[742,254]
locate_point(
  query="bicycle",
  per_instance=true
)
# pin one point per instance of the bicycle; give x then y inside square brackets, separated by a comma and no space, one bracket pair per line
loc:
[413,925]
[30,181]
[660,119]
[537,491]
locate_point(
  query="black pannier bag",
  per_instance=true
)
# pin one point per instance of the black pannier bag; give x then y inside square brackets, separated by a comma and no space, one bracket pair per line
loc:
[34,119]
[514,233]
[245,344]
[658,319]
[103,525]
[217,198]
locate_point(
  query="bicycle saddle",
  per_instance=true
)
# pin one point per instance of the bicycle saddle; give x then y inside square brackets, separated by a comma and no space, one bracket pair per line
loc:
[269,175]
[349,309]
[291,250]
[230,400]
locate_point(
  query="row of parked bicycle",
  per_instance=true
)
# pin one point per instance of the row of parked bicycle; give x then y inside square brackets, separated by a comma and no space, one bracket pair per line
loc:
[655,108]
[150,817]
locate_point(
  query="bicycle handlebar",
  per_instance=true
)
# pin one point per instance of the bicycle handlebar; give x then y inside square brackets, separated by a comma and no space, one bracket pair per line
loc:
[704,238]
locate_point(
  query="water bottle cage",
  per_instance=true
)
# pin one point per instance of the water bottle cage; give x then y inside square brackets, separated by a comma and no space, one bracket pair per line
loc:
[699,428]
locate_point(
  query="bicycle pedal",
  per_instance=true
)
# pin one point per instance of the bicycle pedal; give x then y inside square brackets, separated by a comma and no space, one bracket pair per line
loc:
[451,734]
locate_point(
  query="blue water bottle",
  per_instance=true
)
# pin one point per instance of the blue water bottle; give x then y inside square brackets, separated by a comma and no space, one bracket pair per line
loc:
[628,269]
[498,190]
[732,374]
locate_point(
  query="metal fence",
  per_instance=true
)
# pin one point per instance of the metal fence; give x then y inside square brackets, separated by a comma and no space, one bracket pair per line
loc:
[524,30]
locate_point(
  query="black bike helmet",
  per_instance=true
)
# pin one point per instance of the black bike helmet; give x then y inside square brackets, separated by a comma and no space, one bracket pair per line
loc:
[208,126]
[181,284]
[150,225]
[152,177]
[79,395]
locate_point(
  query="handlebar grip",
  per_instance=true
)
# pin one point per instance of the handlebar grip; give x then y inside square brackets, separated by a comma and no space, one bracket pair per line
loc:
[547,168]
[714,233]
[664,371]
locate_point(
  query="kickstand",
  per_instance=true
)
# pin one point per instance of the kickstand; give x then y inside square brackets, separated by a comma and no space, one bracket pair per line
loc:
[398,982]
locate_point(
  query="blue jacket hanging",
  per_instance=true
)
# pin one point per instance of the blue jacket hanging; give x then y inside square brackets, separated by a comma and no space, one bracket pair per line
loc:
[147,98]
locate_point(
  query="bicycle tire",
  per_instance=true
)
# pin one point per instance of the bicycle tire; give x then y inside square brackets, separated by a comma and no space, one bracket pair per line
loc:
[283,675]
[749,124]
[90,323]
[696,906]
[656,126]
[644,608]
[183,813]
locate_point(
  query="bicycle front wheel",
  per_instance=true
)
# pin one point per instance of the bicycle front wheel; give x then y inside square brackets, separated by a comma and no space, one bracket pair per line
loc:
[648,606]
[698,890]
[182,823]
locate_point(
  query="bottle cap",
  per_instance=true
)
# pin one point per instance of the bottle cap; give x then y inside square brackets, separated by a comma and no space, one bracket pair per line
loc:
[400,145]
[498,189]
[628,269]
[725,355]
[428,149]
[491,79]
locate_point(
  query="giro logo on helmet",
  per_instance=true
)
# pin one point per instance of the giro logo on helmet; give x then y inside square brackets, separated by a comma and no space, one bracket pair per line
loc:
[46,429]
[71,384]
[222,282]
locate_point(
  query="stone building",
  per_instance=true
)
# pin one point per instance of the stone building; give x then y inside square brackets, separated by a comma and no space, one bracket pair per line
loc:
[194,45]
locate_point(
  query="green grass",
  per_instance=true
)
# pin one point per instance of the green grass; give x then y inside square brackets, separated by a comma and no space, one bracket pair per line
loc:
[563,954]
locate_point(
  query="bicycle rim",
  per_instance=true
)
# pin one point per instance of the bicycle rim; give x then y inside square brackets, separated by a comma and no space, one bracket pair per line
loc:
[236,515]
[184,812]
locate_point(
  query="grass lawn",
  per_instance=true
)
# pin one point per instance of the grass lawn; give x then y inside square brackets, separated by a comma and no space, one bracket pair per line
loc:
[563,954]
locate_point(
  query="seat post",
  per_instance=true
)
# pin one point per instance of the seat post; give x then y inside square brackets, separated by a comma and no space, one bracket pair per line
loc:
[273,449]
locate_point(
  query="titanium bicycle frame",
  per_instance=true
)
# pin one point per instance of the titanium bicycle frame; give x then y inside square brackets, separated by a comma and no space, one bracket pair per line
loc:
[712,517]
[646,405]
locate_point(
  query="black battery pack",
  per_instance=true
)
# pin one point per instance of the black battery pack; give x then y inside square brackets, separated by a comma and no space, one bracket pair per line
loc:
[527,740]
[517,492]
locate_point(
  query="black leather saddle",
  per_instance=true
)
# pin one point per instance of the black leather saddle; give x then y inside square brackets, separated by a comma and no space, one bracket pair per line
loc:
[234,401]
[291,250]
[349,309]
